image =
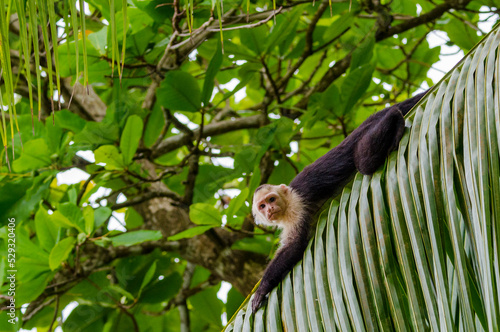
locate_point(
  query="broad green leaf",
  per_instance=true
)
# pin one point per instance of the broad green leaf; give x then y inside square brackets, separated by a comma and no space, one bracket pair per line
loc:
[205,214]
[36,154]
[26,248]
[131,136]
[255,39]
[179,91]
[133,219]
[101,214]
[234,300]
[363,53]
[60,252]
[207,306]
[97,133]
[331,97]
[338,26]
[154,126]
[158,291]
[190,232]
[86,318]
[73,215]
[46,231]
[236,203]
[355,85]
[461,34]
[149,275]
[59,219]
[109,155]
[68,120]
[32,277]
[212,70]
[261,244]
[88,216]
[135,237]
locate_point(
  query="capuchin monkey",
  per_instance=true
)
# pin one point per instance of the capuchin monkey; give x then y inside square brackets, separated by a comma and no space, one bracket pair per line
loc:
[292,207]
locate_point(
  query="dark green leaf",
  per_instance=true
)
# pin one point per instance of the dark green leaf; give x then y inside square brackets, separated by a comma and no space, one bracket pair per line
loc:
[109,155]
[131,136]
[136,237]
[36,155]
[212,70]
[204,214]
[179,91]
[189,233]
[60,252]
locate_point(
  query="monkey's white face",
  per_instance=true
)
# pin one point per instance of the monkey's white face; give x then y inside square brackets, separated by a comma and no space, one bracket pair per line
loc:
[270,204]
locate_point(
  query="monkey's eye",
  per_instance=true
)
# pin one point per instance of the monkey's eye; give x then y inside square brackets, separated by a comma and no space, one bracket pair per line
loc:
[262,206]
[272,199]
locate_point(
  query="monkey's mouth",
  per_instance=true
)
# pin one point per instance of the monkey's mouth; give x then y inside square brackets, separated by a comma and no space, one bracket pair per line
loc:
[273,215]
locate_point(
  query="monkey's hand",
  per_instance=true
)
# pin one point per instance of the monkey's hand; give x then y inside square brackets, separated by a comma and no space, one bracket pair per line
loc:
[258,298]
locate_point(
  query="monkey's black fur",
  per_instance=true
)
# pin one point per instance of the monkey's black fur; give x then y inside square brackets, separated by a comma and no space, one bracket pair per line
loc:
[365,149]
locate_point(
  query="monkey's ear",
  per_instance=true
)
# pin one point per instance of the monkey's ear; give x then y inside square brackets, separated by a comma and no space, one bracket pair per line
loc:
[284,187]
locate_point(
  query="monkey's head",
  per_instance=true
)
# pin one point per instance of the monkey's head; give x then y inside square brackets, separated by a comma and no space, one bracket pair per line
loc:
[271,204]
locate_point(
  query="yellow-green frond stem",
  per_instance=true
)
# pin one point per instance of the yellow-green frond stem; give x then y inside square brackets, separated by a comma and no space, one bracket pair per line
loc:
[84,42]
[55,49]
[33,30]
[125,28]
[7,72]
[45,35]
[219,14]
[74,23]
[114,39]
[25,49]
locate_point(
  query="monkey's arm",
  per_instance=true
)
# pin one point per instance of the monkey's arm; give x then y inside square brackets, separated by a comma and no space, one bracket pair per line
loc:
[286,258]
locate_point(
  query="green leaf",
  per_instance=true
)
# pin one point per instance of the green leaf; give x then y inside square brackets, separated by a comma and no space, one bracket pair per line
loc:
[133,219]
[331,97]
[101,214]
[261,244]
[285,26]
[60,252]
[338,26]
[205,214]
[149,275]
[207,306]
[189,233]
[154,126]
[136,237]
[131,136]
[33,276]
[85,318]
[363,53]
[97,133]
[68,120]
[255,39]
[212,70]
[36,154]
[162,290]
[234,300]
[461,34]
[355,85]
[26,248]
[109,155]
[46,231]
[179,91]
[236,203]
[88,216]
[73,214]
